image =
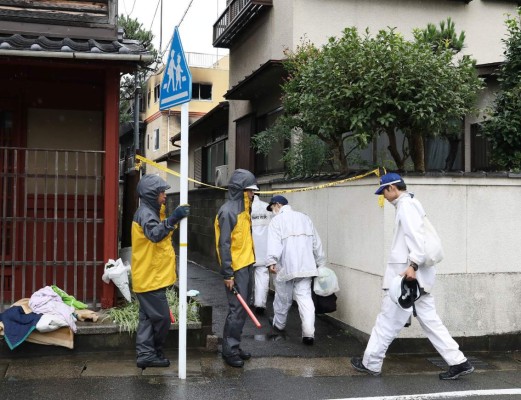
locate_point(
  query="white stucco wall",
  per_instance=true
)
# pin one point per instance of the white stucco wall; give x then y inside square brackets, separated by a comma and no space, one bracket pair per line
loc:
[478,283]
[332,16]
[290,21]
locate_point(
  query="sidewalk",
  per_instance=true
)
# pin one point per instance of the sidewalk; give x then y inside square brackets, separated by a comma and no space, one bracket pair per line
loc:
[330,341]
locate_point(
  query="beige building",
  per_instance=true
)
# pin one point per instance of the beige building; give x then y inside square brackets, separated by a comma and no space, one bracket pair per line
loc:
[162,139]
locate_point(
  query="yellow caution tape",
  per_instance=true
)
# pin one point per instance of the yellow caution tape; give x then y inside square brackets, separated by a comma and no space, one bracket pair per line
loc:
[304,189]
[325,185]
[171,172]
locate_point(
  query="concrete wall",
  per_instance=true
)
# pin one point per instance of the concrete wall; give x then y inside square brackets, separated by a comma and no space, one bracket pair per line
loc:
[478,284]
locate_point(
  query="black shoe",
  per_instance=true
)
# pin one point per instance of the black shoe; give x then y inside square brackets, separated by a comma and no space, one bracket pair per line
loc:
[161,355]
[308,340]
[260,310]
[154,363]
[244,355]
[455,371]
[234,361]
[356,363]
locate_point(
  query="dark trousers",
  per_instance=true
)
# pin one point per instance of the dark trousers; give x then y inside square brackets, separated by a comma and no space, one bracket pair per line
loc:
[154,324]
[236,313]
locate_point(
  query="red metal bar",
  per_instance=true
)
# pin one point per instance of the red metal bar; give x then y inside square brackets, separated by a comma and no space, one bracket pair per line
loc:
[245,306]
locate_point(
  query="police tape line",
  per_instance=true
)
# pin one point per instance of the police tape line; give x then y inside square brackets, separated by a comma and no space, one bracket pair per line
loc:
[171,172]
[325,185]
[305,189]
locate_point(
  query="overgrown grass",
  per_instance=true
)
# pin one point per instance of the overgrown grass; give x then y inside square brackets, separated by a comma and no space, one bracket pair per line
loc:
[127,316]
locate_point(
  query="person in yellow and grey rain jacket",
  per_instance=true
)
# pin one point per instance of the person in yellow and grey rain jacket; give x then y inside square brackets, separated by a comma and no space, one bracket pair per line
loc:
[235,253]
[153,268]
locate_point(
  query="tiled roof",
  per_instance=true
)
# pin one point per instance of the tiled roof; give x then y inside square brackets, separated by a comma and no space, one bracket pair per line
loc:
[17,42]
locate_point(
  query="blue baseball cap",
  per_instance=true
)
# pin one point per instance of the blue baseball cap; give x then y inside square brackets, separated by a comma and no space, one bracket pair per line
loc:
[277,199]
[388,179]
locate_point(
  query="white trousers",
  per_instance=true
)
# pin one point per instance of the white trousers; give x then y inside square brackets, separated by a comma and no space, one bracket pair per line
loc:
[391,321]
[262,283]
[300,290]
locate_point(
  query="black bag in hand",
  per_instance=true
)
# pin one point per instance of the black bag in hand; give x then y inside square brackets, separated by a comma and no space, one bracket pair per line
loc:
[324,304]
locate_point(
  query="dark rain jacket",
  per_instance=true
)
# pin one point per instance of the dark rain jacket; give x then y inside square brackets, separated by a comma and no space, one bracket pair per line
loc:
[153,256]
[233,238]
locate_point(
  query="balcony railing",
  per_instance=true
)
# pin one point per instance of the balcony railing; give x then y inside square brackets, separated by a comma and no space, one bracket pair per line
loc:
[238,15]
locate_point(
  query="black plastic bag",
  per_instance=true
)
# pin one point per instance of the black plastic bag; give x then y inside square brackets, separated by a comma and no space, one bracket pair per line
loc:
[324,304]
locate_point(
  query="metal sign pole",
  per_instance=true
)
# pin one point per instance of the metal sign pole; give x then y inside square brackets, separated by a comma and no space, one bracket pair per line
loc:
[176,89]
[183,242]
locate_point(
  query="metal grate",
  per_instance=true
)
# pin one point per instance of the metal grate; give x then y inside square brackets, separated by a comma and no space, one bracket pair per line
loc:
[51,222]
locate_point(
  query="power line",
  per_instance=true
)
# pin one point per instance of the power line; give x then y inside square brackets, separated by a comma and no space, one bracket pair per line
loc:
[154,17]
[178,25]
[132,8]
[183,17]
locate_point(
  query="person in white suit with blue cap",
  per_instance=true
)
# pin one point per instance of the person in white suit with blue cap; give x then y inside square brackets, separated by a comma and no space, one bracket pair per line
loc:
[407,258]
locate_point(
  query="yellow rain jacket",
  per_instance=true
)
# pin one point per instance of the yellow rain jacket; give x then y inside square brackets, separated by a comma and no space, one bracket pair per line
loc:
[233,237]
[153,255]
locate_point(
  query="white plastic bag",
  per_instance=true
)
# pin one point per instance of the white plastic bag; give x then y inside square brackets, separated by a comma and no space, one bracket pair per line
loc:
[117,272]
[326,283]
[433,248]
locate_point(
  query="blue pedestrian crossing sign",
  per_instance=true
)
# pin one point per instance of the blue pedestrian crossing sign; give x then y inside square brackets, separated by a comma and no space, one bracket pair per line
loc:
[176,87]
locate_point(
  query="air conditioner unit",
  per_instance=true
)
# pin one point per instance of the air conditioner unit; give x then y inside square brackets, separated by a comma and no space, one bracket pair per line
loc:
[221,175]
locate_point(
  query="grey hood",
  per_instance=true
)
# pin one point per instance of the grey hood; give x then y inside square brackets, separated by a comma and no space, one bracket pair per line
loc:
[240,179]
[149,188]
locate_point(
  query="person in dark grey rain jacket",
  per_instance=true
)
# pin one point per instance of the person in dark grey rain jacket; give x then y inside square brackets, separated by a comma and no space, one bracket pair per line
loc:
[153,268]
[235,253]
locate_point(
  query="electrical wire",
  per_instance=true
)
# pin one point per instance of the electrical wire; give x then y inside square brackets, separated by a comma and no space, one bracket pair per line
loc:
[132,10]
[154,17]
[186,11]
[167,47]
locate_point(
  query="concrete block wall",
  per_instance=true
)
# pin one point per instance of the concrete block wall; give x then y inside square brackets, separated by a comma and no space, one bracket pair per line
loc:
[204,204]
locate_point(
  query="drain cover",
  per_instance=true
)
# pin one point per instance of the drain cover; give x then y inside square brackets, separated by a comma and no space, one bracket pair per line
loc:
[476,362]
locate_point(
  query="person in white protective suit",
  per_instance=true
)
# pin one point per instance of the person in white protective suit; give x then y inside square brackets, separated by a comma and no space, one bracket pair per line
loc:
[294,253]
[260,219]
[407,258]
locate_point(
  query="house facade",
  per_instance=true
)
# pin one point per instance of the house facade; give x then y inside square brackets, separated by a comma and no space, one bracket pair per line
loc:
[60,66]
[357,232]
[257,44]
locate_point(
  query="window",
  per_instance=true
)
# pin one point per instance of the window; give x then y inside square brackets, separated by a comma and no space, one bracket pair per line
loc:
[213,156]
[480,150]
[156,93]
[273,161]
[156,139]
[148,98]
[208,157]
[201,91]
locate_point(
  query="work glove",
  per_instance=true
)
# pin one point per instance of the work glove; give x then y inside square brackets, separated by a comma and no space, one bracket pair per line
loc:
[182,211]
